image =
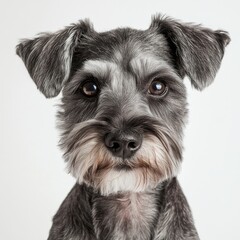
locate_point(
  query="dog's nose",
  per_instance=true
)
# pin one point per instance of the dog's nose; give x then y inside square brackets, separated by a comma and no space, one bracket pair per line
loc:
[123,147]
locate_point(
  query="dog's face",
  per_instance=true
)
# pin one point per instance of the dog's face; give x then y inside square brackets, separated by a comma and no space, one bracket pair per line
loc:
[124,101]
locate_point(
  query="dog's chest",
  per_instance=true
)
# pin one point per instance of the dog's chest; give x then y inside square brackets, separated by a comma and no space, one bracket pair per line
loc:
[125,216]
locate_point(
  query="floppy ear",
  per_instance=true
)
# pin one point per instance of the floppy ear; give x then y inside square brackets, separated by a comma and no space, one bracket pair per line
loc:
[196,51]
[48,58]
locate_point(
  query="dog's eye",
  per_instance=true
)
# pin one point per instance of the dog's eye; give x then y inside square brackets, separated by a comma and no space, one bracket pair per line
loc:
[90,88]
[157,87]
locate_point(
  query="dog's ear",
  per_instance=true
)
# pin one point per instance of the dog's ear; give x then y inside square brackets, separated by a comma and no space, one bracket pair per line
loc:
[196,51]
[48,57]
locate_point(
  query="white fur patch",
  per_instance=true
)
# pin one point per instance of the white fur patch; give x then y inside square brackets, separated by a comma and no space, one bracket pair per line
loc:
[98,68]
[67,57]
[145,64]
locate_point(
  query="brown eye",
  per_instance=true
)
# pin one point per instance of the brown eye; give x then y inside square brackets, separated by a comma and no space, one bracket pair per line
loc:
[90,89]
[158,88]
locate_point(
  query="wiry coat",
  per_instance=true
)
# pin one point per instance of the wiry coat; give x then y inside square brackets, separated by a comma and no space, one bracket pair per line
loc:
[159,214]
[137,197]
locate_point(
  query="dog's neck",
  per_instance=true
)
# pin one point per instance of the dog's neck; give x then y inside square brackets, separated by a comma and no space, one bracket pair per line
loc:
[126,215]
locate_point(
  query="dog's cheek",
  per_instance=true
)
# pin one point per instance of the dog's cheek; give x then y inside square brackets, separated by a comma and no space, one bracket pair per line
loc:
[80,156]
[102,162]
[73,111]
[162,162]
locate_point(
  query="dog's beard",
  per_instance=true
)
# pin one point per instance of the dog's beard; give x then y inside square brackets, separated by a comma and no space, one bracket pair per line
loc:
[89,161]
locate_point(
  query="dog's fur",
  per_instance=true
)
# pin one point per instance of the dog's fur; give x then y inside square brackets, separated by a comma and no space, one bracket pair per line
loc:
[138,197]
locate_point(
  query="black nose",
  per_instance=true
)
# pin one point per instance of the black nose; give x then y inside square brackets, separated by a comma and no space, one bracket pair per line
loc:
[123,147]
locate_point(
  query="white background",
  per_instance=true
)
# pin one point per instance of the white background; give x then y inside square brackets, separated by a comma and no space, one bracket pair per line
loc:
[33,180]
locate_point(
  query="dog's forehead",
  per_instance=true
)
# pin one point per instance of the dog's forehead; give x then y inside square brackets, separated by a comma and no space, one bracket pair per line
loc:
[127,51]
[140,66]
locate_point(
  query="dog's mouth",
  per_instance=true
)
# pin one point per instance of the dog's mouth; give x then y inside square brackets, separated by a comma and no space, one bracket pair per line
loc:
[133,164]
[123,167]
[127,167]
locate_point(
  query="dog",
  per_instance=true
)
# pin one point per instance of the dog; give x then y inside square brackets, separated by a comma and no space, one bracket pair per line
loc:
[122,115]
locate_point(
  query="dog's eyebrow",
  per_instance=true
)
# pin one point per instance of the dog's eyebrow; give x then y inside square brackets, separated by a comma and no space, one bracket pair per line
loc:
[100,69]
[145,67]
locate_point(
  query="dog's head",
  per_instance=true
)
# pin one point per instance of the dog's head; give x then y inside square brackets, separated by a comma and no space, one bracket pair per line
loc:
[124,102]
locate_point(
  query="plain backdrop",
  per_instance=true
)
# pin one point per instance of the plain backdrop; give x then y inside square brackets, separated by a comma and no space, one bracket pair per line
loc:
[33,180]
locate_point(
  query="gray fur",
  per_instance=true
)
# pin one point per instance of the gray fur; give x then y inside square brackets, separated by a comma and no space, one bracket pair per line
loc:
[138,197]
[198,51]
[50,74]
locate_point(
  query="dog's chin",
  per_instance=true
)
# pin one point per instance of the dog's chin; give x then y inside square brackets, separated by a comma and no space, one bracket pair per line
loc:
[114,178]
[127,179]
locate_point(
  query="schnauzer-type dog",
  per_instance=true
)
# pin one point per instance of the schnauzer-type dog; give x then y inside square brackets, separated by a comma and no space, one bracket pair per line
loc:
[122,114]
